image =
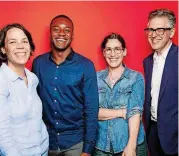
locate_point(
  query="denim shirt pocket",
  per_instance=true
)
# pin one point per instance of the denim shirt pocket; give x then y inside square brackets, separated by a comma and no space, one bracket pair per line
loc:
[122,96]
[102,97]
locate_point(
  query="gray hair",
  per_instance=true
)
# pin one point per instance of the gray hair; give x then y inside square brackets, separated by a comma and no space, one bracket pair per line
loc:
[163,13]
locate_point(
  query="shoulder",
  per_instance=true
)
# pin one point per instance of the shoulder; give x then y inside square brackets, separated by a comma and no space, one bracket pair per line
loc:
[133,74]
[82,59]
[101,73]
[148,57]
[32,76]
[174,48]
[3,78]
[3,83]
[41,57]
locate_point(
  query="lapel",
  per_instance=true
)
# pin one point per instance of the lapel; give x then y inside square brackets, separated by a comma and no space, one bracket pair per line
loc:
[167,69]
[150,69]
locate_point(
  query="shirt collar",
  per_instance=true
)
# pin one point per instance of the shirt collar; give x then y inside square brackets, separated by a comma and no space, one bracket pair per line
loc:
[124,74]
[69,57]
[163,54]
[11,74]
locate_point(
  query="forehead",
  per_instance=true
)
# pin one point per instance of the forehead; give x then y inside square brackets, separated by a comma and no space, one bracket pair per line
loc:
[113,43]
[157,22]
[62,21]
[15,33]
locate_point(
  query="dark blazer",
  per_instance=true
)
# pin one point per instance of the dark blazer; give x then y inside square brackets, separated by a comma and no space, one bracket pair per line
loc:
[167,113]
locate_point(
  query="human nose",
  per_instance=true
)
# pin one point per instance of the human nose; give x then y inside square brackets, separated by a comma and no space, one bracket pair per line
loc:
[61,32]
[113,52]
[19,45]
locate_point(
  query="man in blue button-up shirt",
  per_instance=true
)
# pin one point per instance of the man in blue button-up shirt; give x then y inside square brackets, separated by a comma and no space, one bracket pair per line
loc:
[68,89]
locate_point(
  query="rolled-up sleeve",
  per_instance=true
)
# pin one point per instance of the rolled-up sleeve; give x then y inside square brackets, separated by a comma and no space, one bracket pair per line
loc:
[91,107]
[8,146]
[136,99]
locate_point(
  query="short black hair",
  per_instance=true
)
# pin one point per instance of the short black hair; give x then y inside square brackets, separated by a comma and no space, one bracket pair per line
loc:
[113,36]
[3,33]
[62,16]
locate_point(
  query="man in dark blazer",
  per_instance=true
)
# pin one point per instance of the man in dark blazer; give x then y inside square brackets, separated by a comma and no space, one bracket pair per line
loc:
[161,91]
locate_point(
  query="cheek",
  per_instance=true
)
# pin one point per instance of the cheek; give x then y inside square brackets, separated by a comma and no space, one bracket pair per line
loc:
[53,34]
[149,39]
[9,50]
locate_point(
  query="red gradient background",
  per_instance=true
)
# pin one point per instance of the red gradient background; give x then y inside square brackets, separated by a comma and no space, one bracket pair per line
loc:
[93,21]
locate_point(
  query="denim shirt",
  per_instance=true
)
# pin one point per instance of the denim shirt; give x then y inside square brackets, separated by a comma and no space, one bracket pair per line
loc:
[22,130]
[128,92]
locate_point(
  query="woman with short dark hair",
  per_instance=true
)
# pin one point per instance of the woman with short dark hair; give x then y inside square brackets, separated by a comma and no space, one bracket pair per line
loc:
[121,97]
[22,130]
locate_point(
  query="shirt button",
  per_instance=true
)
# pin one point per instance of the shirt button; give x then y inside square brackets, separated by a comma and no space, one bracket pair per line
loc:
[55,88]
[55,112]
[55,100]
[58,133]
[55,78]
[57,66]
[57,123]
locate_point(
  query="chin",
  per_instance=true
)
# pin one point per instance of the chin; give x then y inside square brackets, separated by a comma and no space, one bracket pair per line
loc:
[114,66]
[60,48]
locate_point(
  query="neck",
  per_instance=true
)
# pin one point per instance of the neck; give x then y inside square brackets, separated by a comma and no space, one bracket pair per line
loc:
[60,56]
[116,71]
[18,69]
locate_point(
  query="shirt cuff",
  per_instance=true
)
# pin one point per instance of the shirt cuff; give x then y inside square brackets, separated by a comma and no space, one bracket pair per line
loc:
[87,148]
[133,111]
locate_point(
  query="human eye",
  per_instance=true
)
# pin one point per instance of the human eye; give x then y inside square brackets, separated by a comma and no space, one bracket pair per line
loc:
[160,31]
[12,42]
[149,31]
[25,41]
[67,30]
[108,50]
[118,48]
[55,29]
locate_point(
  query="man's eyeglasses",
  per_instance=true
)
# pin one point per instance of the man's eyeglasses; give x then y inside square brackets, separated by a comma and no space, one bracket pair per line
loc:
[117,50]
[158,31]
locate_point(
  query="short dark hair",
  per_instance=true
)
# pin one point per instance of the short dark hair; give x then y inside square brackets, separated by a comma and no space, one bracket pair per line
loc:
[3,33]
[113,36]
[163,13]
[62,16]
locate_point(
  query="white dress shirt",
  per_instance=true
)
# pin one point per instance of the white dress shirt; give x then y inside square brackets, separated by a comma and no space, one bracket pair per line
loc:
[158,66]
[22,130]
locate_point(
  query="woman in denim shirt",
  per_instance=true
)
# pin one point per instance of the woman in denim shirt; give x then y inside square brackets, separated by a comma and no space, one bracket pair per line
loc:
[22,130]
[121,97]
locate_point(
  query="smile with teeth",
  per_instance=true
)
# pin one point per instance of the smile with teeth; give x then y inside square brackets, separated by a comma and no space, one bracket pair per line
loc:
[113,59]
[20,53]
[155,41]
[60,40]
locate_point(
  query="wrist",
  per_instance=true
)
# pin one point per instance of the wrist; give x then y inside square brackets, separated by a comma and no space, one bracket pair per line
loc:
[132,144]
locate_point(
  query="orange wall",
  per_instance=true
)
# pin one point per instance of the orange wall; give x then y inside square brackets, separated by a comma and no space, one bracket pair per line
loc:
[93,21]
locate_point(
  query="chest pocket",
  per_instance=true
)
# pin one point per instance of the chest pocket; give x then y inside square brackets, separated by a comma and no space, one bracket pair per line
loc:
[122,96]
[102,96]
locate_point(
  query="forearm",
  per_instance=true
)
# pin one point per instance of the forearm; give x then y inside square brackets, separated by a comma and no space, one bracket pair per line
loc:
[134,123]
[107,114]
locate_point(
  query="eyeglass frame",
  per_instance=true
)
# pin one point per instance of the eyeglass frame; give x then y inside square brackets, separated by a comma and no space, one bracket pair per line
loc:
[155,30]
[113,49]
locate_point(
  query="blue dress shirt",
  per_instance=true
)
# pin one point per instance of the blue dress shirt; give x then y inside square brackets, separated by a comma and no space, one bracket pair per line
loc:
[22,130]
[70,100]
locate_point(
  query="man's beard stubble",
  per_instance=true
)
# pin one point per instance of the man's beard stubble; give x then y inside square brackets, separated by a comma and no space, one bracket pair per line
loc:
[60,49]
